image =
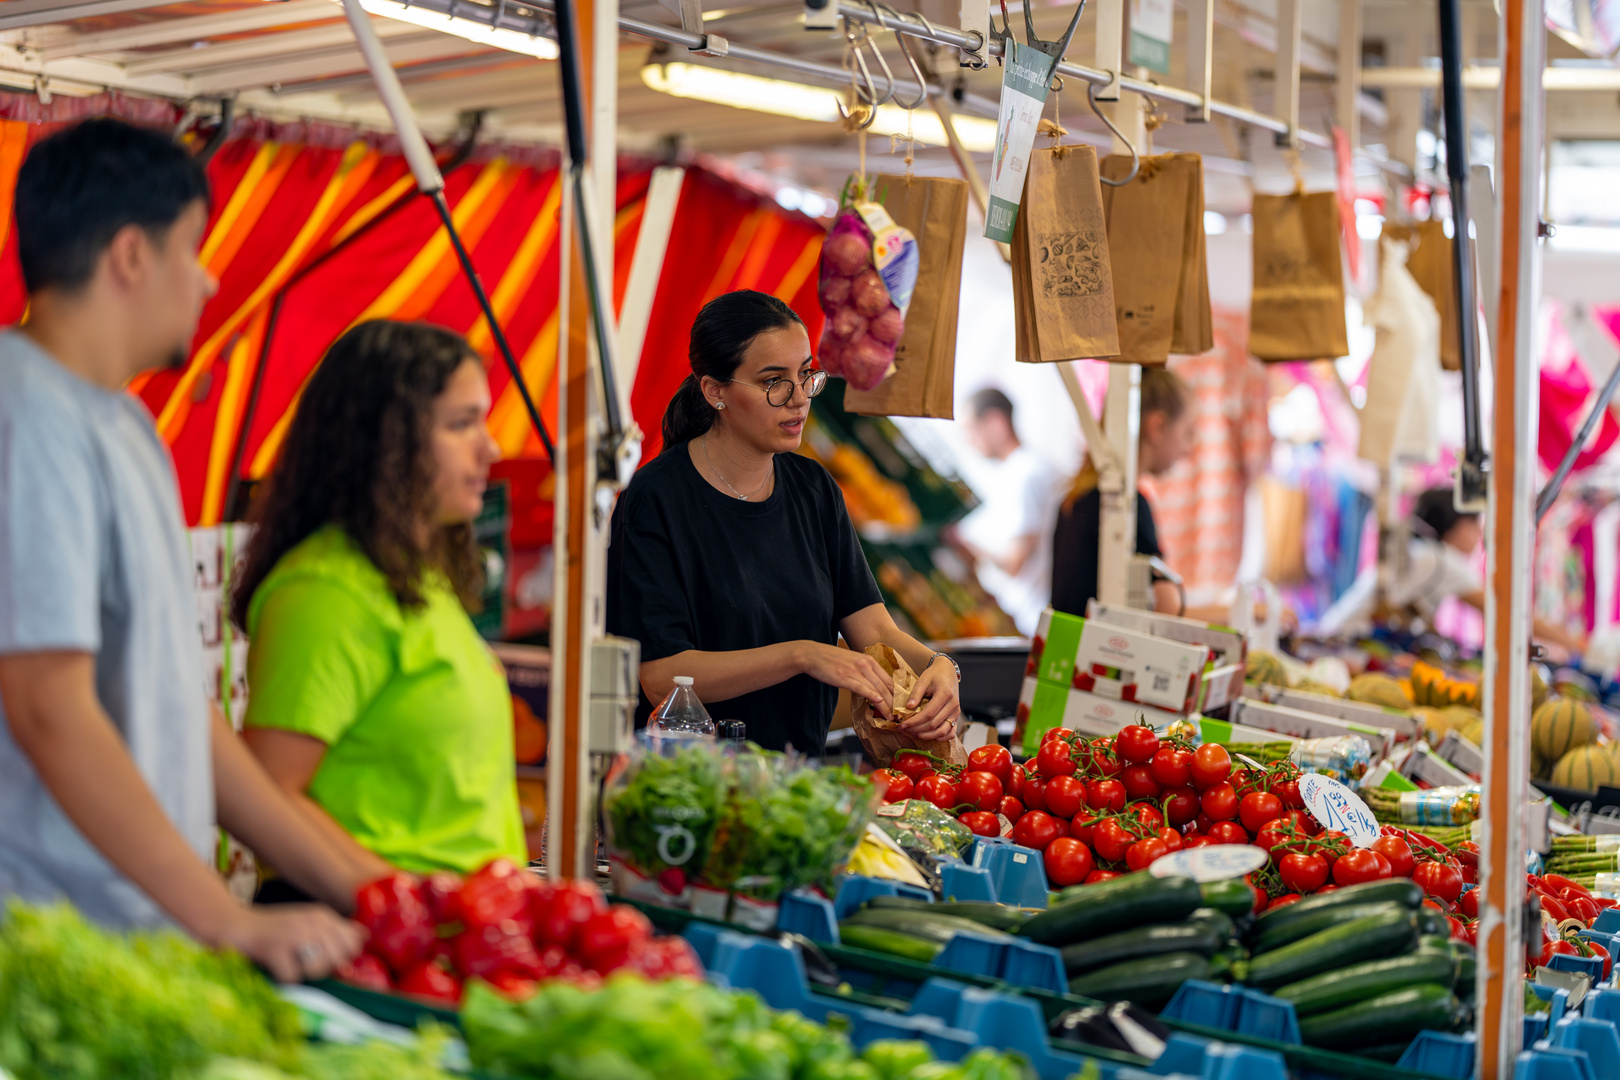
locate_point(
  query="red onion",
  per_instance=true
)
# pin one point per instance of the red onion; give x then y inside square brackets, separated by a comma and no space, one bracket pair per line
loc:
[847,252]
[888,326]
[869,295]
[847,325]
[834,292]
[867,363]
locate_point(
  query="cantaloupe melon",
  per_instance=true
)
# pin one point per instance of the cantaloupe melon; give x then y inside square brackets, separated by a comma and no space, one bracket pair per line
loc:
[1474,731]
[1311,686]
[1585,768]
[1460,716]
[1560,726]
[1262,667]
[1434,723]
[1539,690]
[1538,765]
[1376,689]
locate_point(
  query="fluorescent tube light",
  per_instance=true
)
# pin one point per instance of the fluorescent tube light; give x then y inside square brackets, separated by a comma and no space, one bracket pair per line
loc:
[471,30]
[813,103]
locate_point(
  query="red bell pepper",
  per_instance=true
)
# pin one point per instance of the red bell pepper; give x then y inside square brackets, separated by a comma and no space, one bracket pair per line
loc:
[429,980]
[482,952]
[398,921]
[497,893]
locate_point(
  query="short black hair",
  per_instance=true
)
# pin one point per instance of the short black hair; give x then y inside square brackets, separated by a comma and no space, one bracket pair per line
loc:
[1436,511]
[991,400]
[81,185]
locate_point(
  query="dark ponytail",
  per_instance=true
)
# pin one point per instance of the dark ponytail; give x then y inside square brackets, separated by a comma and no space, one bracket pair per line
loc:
[721,334]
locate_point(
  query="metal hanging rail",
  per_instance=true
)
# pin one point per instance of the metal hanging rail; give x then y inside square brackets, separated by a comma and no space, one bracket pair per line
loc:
[714,45]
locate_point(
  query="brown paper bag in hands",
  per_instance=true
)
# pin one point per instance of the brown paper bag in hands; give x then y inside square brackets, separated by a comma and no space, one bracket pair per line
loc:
[1297,312]
[882,738]
[1063,288]
[923,383]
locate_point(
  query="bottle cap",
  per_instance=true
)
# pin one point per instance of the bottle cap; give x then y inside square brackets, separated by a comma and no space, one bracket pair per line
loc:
[683,680]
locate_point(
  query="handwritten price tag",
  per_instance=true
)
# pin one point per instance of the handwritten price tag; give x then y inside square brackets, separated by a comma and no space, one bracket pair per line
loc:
[1214,863]
[1337,807]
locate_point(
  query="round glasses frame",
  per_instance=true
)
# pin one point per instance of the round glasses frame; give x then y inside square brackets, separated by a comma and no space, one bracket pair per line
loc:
[814,382]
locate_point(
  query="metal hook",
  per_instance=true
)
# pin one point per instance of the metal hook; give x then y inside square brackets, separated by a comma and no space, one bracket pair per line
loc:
[855,36]
[1136,159]
[905,50]
[877,53]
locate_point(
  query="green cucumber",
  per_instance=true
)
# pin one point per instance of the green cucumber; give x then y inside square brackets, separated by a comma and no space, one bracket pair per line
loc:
[924,924]
[1149,982]
[1390,890]
[1233,896]
[1275,937]
[1431,921]
[1088,911]
[1200,935]
[1386,1017]
[877,939]
[996,916]
[1370,938]
[1467,964]
[1348,985]
[1434,941]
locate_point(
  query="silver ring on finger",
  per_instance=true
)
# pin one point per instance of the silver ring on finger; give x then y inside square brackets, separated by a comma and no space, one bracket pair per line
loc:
[308,953]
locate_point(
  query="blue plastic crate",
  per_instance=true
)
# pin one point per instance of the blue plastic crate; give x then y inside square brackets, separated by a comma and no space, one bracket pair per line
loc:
[1602,1003]
[1608,921]
[810,914]
[1210,1060]
[1000,1021]
[959,881]
[1585,965]
[1018,873]
[1441,1054]
[856,889]
[1550,1064]
[1234,1008]
[1597,1039]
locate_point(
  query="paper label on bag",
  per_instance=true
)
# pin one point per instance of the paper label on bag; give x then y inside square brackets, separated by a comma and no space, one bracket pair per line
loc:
[1337,807]
[1025,80]
[894,253]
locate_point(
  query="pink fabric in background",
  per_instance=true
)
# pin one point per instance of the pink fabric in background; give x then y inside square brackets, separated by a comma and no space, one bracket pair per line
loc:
[1566,394]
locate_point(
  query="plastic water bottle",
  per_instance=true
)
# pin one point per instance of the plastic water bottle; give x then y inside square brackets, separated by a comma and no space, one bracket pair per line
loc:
[680,716]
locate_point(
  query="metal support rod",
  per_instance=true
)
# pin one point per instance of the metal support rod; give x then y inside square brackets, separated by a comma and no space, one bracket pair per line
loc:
[430,182]
[1201,56]
[1471,471]
[1510,536]
[955,39]
[1287,83]
[1549,494]
[1347,94]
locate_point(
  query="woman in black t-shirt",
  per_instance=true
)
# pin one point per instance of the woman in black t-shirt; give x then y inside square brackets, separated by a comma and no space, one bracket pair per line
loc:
[733,559]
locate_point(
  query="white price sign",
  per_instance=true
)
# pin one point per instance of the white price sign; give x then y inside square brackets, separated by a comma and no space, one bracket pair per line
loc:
[1337,807]
[1217,862]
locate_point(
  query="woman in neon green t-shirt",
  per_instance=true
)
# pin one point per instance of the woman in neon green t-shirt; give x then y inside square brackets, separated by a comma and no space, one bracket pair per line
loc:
[373,700]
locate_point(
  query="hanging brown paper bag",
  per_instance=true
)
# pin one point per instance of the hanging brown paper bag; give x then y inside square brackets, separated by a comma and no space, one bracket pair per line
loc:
[1195,328]
[1297,310]
[1147,236]
[924,379]
[1430,263]
[881,738]
[1061,275]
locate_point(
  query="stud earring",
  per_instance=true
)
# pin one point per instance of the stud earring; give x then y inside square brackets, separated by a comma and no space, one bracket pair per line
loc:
[719,404]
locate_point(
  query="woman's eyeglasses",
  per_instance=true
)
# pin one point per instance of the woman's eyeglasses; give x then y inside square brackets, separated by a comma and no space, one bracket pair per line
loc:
[779,391]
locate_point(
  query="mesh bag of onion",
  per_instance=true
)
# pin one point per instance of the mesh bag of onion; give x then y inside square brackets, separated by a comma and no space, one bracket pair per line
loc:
[868,271]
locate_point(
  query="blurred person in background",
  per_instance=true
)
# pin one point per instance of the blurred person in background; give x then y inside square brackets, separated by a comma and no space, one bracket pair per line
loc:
[1006,536]
[1166,436]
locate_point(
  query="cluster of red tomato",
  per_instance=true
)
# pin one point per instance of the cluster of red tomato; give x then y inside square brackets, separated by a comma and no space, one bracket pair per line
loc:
[506,926]
[1564,903]
[1102,806]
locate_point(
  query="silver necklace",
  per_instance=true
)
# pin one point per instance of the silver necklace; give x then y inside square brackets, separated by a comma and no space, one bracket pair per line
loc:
[741,497]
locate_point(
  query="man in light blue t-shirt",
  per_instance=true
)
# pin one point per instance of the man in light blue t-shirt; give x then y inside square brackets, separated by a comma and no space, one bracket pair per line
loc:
[114,769]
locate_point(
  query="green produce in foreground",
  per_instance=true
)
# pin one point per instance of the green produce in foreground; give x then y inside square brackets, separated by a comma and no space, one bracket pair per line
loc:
[81,1003]
[631,1029]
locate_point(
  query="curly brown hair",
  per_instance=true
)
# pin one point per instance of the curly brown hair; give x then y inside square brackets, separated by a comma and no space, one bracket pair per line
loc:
[358,455]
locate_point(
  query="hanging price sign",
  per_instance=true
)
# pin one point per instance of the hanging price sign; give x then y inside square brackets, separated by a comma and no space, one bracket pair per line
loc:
[1337,807]
[1217,862]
